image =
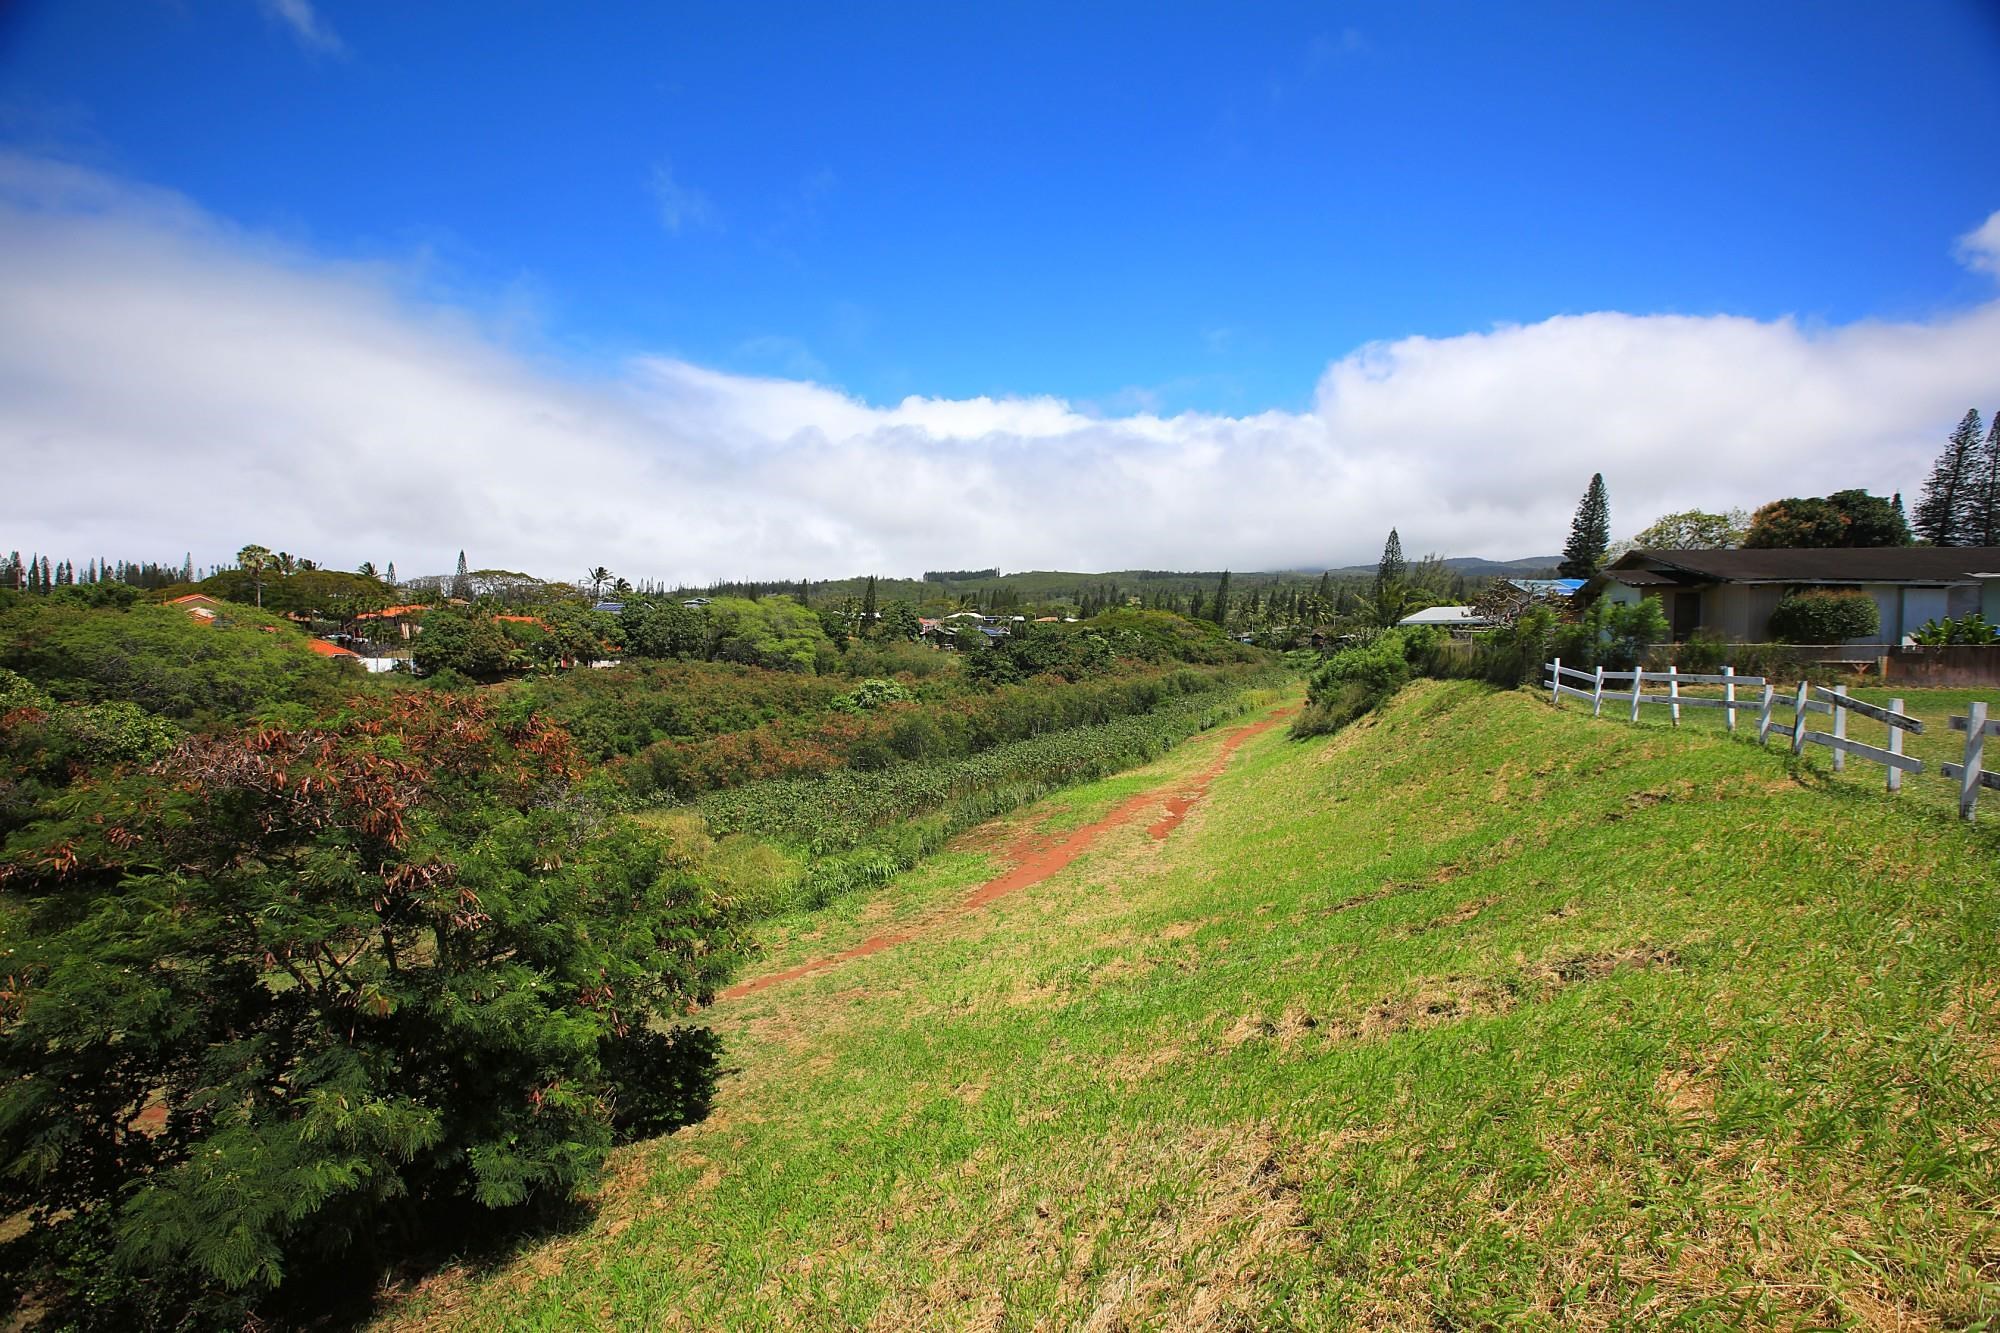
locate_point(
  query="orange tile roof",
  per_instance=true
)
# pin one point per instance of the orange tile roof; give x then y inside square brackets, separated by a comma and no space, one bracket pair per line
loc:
[391,612]
[191,597]
[523,620]
[325,649]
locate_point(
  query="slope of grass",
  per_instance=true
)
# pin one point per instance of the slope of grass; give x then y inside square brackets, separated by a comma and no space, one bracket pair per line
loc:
[1476,1013]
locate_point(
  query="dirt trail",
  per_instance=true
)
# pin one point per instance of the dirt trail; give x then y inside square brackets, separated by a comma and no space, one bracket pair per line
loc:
[1034,860]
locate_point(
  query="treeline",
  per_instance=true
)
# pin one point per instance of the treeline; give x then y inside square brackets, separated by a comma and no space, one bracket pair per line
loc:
[38,574]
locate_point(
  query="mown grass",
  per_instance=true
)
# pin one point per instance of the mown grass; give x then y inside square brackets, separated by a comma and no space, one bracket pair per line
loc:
[1478,1013]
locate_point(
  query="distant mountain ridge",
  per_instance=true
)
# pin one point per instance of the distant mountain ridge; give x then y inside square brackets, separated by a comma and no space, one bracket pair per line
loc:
[1474,566]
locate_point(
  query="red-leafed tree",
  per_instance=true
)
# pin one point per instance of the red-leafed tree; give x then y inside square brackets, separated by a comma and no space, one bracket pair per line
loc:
[282,994]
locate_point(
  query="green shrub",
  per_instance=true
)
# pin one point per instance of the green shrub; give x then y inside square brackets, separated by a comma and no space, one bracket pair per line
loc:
[1974,630]
[1824,617]
[1703,653]
[870,694]
[1358,679]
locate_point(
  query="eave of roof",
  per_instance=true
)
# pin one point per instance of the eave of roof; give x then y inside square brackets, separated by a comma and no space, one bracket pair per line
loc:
[1922,565]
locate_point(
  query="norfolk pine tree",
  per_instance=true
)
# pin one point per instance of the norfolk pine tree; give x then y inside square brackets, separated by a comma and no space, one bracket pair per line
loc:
[1589,532]
[1944,514]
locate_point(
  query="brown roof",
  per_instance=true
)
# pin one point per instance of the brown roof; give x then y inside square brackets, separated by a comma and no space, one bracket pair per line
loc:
[1866,564]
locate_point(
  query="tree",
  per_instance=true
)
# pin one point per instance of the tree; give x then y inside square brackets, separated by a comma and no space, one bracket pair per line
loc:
[867,626]
[367,569]
[1589,532]
[1390,568]
[294,990]
[1944,514]
[254,561]
[461,582]
[390,577]
[1843,519]
[1871,520]
[900,621]
[1692,530]
[1983,526]
[1219,613]
[598,578]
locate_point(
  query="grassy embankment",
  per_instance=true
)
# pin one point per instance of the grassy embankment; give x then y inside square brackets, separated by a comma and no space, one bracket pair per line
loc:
[1474,1012]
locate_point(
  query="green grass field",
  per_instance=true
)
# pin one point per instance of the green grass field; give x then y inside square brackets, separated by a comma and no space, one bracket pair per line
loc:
[1478,1013]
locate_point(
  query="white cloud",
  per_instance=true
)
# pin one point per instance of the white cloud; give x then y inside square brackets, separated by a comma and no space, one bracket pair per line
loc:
[681,205]
[1980,248]
[168,383]
[312,31]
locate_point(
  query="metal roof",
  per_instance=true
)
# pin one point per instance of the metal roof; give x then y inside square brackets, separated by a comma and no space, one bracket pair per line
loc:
[1445,615]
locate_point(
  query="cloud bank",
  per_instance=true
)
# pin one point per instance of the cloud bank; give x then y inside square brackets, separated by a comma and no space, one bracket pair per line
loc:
[169,383]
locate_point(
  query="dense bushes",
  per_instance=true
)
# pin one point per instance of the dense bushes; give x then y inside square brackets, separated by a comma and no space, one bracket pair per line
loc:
[1824,617]
[1357,679]
[291,989]
[937,724]
[861,828]
[166,662]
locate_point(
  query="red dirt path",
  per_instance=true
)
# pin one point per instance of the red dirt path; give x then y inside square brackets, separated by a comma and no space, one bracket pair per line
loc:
[1034,860]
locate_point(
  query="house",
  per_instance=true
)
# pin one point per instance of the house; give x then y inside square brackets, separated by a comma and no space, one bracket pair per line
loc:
[1733,592]
[1456,619]
[403,619]
[695,603]
[199,605]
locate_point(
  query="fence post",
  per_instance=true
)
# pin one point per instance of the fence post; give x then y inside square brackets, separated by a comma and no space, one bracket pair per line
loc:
[1895,745]
[1839,730]
[1799,719]
[1975,754]
[1555,682]
[1729,698]
[1597,695]
[1674,691]
[1764,714]
[1638,682]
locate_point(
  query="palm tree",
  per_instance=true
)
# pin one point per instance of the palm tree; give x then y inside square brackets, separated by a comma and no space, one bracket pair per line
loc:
[598,578]
[367,570]
[254,561]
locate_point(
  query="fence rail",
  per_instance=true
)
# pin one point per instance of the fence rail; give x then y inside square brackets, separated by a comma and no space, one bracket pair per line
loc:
[1806,701]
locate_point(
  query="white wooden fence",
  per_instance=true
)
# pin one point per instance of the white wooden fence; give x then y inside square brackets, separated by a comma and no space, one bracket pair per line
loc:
[1626,690]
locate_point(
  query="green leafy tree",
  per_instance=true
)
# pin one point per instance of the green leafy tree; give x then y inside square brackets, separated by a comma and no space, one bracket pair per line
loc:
[777,633]
[297,989]
[660,627]
[1589,532]
[1693,530]
[454,639]
[1844,519]
[901,622]
[1945,513]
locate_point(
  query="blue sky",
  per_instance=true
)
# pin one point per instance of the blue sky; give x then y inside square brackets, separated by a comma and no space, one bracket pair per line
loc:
[727,291]
[1126,206]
